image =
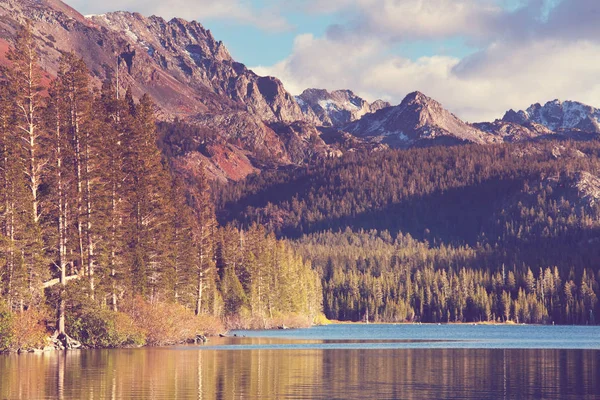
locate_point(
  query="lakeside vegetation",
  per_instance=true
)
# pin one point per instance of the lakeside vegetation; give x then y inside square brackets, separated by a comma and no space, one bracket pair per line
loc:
[375,277]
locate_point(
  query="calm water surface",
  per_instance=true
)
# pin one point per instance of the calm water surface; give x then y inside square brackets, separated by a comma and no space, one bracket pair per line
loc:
[334,362]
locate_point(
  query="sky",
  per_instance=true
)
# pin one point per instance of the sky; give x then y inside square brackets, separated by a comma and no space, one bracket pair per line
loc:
[479,58]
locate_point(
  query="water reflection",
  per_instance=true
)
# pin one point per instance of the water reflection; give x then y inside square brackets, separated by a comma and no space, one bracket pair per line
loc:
[190,372]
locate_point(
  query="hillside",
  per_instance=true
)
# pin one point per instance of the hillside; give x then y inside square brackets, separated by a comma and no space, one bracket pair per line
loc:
[497,195]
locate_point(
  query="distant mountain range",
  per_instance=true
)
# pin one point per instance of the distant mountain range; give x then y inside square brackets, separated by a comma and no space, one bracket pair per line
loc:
[254,120]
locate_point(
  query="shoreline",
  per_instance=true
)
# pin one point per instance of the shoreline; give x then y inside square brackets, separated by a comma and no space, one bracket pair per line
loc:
[204,339]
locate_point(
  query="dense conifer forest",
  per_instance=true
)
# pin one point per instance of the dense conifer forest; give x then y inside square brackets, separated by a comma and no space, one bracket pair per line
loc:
[466,233]
[102,242]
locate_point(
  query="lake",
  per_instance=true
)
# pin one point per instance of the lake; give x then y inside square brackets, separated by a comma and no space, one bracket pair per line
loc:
[331,362]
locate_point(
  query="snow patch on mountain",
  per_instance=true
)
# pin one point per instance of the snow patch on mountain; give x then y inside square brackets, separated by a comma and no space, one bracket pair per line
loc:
[336,108]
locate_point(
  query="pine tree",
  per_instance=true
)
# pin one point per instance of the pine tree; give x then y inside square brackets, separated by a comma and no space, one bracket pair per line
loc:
[148,207]
[112,112]
[13,276]
[204,226]
[24,76]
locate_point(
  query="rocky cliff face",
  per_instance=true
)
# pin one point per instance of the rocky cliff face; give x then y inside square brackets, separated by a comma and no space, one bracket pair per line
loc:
[559,116]
[189,53]
[418,120]
[337,108]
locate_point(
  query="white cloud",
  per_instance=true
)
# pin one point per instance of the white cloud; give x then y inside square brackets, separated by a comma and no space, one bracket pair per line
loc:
[424,19]
[240,11]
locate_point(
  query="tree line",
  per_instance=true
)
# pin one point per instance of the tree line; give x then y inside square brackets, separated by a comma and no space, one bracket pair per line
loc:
[374,276]
[92,213]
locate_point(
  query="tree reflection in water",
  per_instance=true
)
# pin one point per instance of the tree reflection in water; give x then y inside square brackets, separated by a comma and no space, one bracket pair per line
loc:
[192,372]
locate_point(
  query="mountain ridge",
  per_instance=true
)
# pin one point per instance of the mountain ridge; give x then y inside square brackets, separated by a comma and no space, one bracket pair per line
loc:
[252,119]
[416,120]
[558,115]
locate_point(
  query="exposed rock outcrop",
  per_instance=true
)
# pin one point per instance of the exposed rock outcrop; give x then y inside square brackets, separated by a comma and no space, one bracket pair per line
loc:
[337,108]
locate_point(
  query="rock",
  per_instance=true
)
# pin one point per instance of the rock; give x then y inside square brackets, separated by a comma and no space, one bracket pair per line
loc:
[64,342]
[201,339]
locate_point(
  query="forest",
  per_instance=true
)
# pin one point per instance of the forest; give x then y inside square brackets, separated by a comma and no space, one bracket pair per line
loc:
[102,243]
[445,234]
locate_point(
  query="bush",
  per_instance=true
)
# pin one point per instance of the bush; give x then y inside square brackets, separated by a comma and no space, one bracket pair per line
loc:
[210,325]
[321,320]
[22,331]
[102,328]
[167,323]
[29,330]
[6,324]
[289,320]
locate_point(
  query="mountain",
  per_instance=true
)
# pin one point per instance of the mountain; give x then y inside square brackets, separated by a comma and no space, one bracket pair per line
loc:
[189,53]
[179,63]
[559,116]
[187,72]
[418,120]
[337,108]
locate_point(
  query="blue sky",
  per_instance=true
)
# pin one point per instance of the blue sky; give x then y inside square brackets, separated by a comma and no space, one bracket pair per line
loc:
[478,57]
[255,46]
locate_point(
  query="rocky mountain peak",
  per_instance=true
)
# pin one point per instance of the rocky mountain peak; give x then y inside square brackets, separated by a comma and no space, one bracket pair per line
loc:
[417,120]
[336,108]
[418,97]
[558,116]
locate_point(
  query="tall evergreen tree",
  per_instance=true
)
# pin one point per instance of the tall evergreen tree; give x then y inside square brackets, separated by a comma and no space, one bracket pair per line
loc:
[24,76]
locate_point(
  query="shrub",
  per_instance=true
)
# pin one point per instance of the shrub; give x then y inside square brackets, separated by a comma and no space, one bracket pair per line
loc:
[167,323]
[102,328]
[22,331]
[29,330]
[6,324]
[320,320]
[210,325]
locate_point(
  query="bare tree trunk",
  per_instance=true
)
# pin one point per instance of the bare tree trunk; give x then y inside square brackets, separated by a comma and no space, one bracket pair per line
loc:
[90,241]
[200,279]
[62,228]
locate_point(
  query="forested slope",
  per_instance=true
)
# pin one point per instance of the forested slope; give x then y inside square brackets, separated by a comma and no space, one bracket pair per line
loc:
[530,208]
